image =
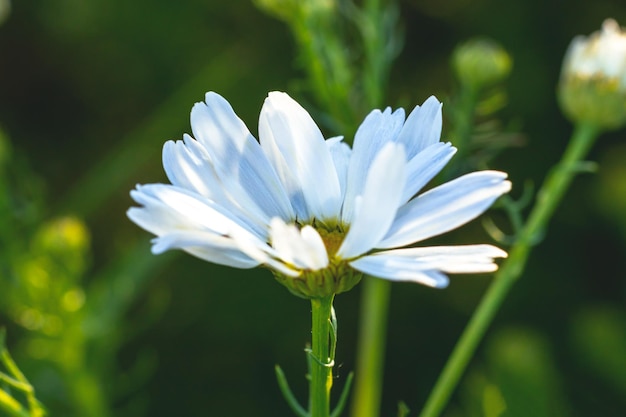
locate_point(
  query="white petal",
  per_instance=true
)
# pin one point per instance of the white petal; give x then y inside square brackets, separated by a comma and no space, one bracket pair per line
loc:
[445,207]
[427,265]
[168,208]
[237,157]
[185,170]
[399,269]
[207,246]
[264,254]
[187,221]
[422,127]
[340,153]
[379,203]
[378,129]
[303,249]
[424,166]
[188,165]
[466,259]
[317,253]
[296,147]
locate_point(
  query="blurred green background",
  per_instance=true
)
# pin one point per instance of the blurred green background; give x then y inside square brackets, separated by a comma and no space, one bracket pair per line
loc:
[90,90]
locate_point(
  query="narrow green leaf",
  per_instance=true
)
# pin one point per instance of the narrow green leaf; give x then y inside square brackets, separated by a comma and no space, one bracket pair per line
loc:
[288,394]
[343,398]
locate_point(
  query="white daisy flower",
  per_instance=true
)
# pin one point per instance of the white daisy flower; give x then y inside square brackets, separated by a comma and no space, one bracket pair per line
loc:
[318,213]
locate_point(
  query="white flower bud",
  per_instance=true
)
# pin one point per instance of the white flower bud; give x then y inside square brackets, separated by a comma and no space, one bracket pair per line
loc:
[593,79]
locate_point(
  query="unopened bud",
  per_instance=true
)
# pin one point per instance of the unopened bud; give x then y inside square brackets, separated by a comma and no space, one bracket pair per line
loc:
[592,88]
[480,63]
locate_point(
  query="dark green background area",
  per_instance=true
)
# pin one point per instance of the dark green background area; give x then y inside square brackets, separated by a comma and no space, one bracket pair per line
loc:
[89,92]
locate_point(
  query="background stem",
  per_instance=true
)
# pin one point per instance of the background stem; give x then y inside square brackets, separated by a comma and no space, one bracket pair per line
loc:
[371,353]
[548,198]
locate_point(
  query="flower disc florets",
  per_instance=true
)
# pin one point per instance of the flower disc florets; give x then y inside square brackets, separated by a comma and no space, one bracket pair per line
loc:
[317,212]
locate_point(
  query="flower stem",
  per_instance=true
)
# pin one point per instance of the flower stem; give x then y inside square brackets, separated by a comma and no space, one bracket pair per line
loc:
[16,379]
[464,123]
[320,360]
[370,359]
[548,198]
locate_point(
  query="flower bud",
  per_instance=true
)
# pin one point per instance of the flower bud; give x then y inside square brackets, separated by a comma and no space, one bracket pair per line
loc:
[480,63]
[592,88]
[5,9]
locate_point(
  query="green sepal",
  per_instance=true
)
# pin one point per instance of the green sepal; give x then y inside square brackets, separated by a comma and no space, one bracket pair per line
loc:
[336,278]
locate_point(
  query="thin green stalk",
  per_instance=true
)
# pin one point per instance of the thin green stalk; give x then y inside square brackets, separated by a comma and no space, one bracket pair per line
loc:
[373,40]
[321,364]
[323,51]
[35,410]
[371,353]
[11,407]
[465,121]
[548,198]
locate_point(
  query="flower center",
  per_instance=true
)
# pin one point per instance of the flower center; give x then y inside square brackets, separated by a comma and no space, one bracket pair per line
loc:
[332,239]
[336,278]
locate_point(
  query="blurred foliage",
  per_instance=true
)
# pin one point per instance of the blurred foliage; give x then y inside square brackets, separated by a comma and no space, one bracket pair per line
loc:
[89,91]
[14,386]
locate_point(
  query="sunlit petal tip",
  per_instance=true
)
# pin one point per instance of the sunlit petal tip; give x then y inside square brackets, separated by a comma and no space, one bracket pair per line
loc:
[296,147]
[495,252]
[441,284]
[445,207]
[432,101]
[393,268]
[422,127]
[159,245]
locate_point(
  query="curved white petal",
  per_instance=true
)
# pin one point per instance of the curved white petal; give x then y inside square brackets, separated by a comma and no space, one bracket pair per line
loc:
[464,259]
[399,269]
[340,152]
[295,145]
[303,249]
[237,157]
[424,166]
[378,129]
[188,165]
[167,208]
[187,221]
[445,207]
[264,254]
[207,246]
[422,127]
[379,203]
[184,169]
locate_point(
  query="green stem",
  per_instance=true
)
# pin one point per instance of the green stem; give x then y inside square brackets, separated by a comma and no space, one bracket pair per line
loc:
[370,359]
[321,363]
[11,407]
[465,121]
[22,383]
[373,43]
[549,196]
